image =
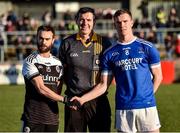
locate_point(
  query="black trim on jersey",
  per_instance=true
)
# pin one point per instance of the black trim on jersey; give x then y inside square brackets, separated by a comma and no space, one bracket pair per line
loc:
[81,63]
[55,57]
[34,75]
[31,57]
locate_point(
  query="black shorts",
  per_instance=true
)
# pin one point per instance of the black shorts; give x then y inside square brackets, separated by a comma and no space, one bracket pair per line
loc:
[95,114]
[32,127]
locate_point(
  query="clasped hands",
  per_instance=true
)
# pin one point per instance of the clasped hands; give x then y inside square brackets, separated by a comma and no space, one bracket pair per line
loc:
[73,102]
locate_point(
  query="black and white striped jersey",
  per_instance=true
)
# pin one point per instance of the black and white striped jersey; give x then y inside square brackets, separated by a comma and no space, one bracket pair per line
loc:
[38,108]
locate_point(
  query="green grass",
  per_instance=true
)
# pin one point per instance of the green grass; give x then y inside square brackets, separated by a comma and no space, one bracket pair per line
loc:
[168,103]
[12,98]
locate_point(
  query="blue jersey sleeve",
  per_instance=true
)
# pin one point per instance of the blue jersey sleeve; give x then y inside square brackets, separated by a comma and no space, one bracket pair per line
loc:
[154,57]
[105,64]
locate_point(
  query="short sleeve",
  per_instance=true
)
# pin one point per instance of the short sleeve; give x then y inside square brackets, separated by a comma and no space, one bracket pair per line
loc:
[29,70]
[154,57]
[105,65]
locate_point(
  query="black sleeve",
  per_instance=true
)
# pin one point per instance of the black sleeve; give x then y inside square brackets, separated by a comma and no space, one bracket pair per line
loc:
[106,43]
[62,52]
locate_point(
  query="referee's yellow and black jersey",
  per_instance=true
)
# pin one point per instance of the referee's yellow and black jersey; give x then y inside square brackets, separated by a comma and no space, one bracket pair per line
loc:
[81,60]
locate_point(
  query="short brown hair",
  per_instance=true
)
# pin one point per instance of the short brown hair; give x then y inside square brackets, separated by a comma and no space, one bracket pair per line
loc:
[45,28]
[122,11]
[83,10]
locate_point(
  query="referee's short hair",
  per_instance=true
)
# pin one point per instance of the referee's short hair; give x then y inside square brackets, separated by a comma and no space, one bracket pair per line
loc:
[83,10]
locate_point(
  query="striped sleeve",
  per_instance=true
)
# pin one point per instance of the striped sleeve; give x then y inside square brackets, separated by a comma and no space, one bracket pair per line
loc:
[29,69]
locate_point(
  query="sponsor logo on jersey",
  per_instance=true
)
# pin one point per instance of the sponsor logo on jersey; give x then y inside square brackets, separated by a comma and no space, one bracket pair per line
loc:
[58,69]
[129,64]
[86,51]
[126,50]
[49,78]
[115,53]
[97,61]
[48,68]
[74,55]
[40,67]
[140,50]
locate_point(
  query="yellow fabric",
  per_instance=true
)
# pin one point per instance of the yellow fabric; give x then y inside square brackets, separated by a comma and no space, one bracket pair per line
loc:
[97,42]
[94,38]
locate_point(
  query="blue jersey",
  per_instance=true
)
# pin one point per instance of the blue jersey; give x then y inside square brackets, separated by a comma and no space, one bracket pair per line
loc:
[131,65]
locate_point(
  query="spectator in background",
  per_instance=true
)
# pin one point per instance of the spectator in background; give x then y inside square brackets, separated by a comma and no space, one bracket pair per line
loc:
[23,24]
[137,24]
[34,23]
[12,17]
[56,45]
[68,16]
[72,26]
[26,21]
[3,19]
[173,19]
[47,17]
[177,46]
[99,13]
[99,16]
[141,34]
[61,26]
[111,36]
[145,23]
[108,14]
[18,43]
[169,46]
[69,24]
[144,9]
[151,37]
[1,45]
[29,47]
[10,27]
[161,18]
[20,25]
[161,23]
[1,40]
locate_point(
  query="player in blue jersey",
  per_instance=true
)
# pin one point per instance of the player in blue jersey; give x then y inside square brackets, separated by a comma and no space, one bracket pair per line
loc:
[135,64]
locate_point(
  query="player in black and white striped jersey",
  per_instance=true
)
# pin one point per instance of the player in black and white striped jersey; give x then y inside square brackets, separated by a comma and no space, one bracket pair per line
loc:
[42,75]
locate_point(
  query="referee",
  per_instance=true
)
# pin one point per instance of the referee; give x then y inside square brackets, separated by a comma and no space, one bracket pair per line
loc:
[80,54]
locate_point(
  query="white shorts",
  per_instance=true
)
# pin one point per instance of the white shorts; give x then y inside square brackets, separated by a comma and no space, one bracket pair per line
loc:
[134,120]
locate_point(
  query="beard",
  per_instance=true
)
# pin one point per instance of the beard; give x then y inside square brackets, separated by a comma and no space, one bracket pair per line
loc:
[44,49]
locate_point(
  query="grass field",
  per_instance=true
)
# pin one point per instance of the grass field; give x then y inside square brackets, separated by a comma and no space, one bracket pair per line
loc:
[12,98]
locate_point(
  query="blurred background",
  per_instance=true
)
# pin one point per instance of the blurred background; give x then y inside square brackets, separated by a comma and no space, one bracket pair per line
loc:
[157,21]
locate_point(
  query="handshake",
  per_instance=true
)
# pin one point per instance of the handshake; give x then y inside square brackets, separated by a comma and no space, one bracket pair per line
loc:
[71,103]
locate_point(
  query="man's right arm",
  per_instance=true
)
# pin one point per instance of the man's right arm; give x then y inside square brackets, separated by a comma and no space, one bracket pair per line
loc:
[96,91]
[31,73]
[42,89]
